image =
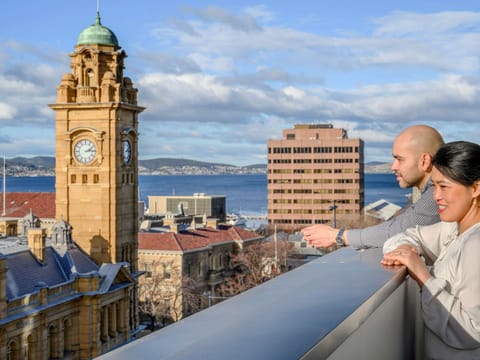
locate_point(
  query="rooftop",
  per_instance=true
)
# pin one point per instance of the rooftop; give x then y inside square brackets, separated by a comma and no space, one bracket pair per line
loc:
[192,239]
[26,272]
[97,34]
[20,204]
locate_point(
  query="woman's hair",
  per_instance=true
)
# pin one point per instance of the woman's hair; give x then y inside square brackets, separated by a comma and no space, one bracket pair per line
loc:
[459,161]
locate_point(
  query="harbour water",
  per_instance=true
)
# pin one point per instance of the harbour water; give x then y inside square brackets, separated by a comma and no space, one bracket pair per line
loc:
[246,194]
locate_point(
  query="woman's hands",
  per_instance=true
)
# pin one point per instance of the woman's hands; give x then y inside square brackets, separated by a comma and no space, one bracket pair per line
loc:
[407,255]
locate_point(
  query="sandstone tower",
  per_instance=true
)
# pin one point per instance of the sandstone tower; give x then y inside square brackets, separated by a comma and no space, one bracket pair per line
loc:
[97,147]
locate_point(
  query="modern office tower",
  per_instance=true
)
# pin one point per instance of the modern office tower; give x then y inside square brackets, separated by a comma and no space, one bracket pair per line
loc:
[315,176]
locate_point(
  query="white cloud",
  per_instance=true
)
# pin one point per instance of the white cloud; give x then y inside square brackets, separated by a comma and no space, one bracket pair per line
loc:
[216,14]
[400,23]
[7,111]
[294,93]
[260,12]
[400,39]
[213,63]
[219,82]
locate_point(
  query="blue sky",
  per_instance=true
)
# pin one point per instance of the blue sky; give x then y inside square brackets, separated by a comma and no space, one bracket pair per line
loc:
[220,78]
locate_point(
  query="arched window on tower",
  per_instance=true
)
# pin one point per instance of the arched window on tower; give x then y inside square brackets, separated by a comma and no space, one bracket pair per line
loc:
[90,76]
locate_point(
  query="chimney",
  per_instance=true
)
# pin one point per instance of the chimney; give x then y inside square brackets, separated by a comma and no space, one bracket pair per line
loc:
[174,228]
[212,223]
[36,243]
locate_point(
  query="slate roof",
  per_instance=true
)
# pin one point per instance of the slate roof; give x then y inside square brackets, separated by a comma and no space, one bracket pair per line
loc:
[192,239]
[109,273]
[82,262]
[25,273]
[20,204]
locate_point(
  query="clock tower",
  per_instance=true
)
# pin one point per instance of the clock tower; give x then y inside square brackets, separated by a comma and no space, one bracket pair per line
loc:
[97,148]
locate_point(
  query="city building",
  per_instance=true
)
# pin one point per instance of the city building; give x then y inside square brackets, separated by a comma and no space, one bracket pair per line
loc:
[56,302]
[25,210]
[197,260]
[70,290]
[212,206]
[315,176]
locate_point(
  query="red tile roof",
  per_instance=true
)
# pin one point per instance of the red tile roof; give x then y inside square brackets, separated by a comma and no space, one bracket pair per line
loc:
[19,204]
[192,239]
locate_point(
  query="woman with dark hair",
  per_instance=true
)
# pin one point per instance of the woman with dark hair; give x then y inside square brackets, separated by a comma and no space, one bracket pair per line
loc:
[451,286]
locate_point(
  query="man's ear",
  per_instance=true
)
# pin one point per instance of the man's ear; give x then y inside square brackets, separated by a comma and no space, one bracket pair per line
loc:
[426,162]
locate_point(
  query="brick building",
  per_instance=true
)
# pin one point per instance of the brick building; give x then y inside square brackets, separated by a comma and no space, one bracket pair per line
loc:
[315,175]
[201,255]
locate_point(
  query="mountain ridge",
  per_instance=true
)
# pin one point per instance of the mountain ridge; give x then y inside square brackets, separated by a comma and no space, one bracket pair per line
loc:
[45,166]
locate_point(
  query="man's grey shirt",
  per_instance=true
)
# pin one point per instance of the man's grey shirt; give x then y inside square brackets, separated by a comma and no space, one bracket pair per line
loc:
[423,212]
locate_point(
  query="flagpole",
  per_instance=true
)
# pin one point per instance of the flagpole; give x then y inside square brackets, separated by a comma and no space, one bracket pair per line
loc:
[4,185]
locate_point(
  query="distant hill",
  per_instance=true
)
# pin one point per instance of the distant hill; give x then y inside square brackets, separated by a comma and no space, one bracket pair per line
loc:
[170,166]
[256,166]
[45,162]
[376,167]
[45,166]
[162,162]
[35,166]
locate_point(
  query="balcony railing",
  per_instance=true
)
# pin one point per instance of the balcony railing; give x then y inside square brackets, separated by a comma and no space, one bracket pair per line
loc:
[86,94]
[341,306]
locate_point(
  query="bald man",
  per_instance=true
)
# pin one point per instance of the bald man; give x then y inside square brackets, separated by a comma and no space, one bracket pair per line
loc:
[413,150]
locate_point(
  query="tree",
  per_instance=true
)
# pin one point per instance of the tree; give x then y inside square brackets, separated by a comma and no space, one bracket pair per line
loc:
[158,298]
[192,299]
[254,265]
[166,295]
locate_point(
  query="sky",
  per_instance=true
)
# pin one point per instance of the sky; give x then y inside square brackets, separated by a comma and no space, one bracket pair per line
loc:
[220,78]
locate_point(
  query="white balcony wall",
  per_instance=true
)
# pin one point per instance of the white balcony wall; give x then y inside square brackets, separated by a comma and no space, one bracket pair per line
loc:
[344,305]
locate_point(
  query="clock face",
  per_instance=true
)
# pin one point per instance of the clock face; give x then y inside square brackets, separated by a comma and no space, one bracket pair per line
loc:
[85,151]
[126,151]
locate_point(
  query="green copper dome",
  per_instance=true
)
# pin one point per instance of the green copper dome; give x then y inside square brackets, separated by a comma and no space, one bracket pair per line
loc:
[97,34]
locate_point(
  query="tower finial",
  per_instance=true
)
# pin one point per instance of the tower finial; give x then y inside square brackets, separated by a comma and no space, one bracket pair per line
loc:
[98,13]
